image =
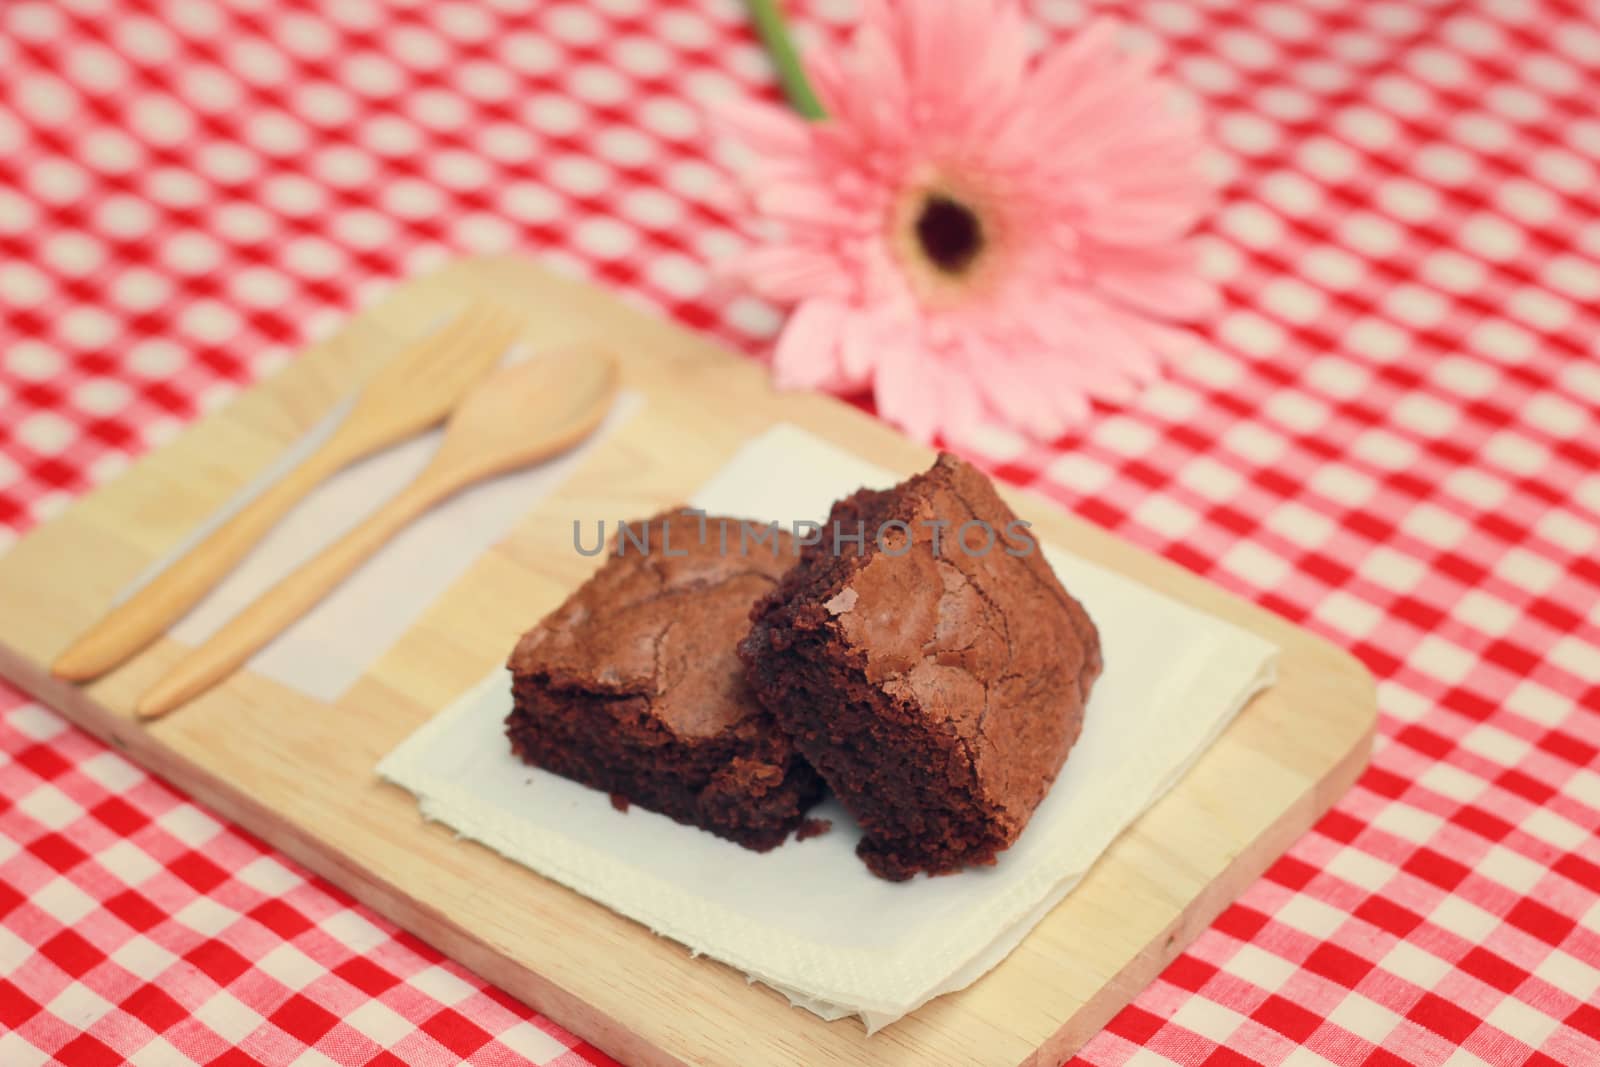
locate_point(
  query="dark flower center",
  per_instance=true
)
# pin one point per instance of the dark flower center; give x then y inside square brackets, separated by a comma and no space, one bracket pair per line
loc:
[950,233]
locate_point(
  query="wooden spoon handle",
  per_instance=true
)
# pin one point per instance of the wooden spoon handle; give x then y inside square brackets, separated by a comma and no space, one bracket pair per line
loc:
[144,616]
[253,628]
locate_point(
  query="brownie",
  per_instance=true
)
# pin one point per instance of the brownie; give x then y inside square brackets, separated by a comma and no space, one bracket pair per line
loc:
[634,686]
[936,687]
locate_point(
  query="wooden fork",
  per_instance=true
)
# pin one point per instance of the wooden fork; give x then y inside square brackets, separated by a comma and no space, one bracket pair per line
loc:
[410,393]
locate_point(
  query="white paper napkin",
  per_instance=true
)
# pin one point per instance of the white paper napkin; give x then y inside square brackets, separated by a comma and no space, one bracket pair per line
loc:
[808,918]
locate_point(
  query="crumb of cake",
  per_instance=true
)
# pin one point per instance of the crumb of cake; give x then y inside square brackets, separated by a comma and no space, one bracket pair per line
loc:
[813,828]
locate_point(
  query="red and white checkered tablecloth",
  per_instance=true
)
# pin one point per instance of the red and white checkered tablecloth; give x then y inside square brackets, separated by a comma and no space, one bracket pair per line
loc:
[1392,436]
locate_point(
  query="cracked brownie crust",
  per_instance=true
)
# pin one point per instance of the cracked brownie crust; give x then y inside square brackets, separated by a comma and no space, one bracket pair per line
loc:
[633,687]
[937,692]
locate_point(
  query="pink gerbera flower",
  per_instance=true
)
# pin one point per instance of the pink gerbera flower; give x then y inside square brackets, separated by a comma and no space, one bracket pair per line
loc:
[970,234]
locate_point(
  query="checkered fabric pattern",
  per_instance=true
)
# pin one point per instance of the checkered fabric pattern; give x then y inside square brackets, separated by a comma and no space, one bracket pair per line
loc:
[1392,436]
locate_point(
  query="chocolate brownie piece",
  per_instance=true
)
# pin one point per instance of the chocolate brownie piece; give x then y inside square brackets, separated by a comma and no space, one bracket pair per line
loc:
[934,685]
[634,686]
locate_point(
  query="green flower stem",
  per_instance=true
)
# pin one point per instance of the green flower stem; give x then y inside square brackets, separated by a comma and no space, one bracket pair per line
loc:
[774,33]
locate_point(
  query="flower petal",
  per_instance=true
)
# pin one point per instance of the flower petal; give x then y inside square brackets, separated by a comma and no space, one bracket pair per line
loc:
[1166,281]
[859,347]
[807,353]
[765,129]
[790,273]
[1014,396]
[905,391]
[1168,345]
[1103,325]
[1134,221]
[960,407]
[1066,70]
[1090,350]
[863,92]
[1002,66]
[881,86]
[826,74]
[806,203]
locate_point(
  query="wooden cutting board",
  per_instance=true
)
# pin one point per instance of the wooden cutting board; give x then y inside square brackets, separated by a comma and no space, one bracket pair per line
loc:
[300,774]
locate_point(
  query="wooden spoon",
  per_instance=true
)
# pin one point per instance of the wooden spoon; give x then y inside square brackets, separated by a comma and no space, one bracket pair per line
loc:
[410,393]
[518,416]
